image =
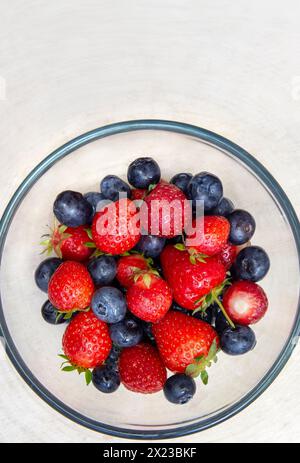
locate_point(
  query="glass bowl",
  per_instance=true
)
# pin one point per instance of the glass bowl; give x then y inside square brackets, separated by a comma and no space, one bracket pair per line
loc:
[33,345]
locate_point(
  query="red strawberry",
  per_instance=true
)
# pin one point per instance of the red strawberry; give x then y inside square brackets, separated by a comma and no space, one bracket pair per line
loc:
[209,235]
[69,243]
[189,278]
[138,194]
[185,341]
[128,266]
[245,302]
[71,287]
[141,369]
[116,228]
[86,343]
[165,211]
[227,255]
[149,297]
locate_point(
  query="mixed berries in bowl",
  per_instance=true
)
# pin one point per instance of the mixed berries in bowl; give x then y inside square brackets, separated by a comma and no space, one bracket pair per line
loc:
[143,314]
[153,279]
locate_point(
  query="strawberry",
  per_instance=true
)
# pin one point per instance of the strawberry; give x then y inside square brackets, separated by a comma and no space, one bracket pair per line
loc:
[245,302]
[149,297]
[165,211]
[190,278]
[116,228]
[71,287]
[228,254]
[69,243]
[128,266]
[208,236]
[186,344]
[141,369]
[86,343]
[138,194]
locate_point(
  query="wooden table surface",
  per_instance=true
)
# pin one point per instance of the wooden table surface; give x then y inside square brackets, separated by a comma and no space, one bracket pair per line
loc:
[68,66]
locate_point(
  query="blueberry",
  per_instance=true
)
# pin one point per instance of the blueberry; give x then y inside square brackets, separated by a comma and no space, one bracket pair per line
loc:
[205,187]
[127,332]
[224,208]
[113,358]
[102,269]
[176,240]
[109,304]
[220,323]
[181,181]
[112,186]
[208,316]
[237,341]
[45,271]
[242,226]
[105,380]
[51,315]
[96,200]
[72,209]
[252,263]
[179,388]
[151,245]
[147,327]
[143,172]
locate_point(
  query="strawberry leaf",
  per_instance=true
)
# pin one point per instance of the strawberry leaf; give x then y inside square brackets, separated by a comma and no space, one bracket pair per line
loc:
[90,244]
[179,246]
[89,233]
[62,229]
[69,368]
[88,376]
[204,377]
[151,187]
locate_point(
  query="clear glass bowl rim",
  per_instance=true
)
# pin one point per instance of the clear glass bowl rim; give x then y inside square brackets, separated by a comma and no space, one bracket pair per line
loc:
[186,129]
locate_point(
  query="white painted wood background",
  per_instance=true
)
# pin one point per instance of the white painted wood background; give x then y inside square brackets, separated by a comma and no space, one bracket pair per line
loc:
[67,66]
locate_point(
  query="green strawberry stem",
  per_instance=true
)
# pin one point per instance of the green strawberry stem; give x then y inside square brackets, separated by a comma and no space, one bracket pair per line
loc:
[217,301]
[199,365]
[67,366]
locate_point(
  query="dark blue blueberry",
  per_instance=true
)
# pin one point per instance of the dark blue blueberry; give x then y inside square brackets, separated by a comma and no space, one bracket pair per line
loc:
[220,323]
[177,239]
[45,271]
[143,172]
[252,263]
[151,245]
[72,209]
[105,379]
[205,187]
[157,265]
[113,359]
[224,208]
[147,327]
[109,304]
[96,200]
[113,355]
[208,316]
[127,332]
[112,186]
[179,388]
[237,341]
[102,269]
[51,315]
[181,181]
[242,226]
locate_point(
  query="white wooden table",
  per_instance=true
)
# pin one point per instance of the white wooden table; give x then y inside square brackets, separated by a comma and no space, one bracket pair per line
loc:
[68,66]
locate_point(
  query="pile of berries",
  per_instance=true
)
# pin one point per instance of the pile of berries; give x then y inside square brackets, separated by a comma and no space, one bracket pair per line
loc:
[139,303]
